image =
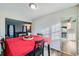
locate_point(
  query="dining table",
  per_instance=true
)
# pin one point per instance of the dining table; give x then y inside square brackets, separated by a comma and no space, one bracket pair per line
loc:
[19,47]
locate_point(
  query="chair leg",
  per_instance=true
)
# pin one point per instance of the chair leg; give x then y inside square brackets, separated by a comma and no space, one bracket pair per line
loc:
[34,52]
[48,50]
[43,50]
[34,49]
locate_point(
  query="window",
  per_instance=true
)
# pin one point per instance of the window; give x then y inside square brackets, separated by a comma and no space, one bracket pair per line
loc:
[56,36]
[56,31]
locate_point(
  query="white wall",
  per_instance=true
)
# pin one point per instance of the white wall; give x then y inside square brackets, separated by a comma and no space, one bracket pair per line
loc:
[53,19]
[2,28]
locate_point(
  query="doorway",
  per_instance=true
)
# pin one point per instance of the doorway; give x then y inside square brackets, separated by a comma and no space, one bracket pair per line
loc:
[15,28]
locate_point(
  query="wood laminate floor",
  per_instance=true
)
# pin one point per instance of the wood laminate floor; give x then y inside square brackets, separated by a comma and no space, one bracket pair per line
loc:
[54,53]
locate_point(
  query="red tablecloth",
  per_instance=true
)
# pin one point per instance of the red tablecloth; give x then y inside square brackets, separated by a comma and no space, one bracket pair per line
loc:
[19,47]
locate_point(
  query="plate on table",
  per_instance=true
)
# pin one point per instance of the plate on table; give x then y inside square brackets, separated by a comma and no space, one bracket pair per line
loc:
[27,38]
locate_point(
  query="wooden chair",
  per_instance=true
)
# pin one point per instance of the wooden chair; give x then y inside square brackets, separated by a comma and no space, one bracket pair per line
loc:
[38,48]
[48,50]
[2,46]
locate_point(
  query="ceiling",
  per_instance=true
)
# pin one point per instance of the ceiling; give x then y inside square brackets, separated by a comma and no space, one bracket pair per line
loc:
[23,9]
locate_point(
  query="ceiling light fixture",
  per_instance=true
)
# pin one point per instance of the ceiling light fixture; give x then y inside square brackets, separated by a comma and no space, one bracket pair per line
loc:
[33,6]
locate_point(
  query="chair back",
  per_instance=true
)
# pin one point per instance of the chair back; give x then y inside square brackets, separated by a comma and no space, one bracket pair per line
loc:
[39,44]
[2,43]
[2,46]
[38,49]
